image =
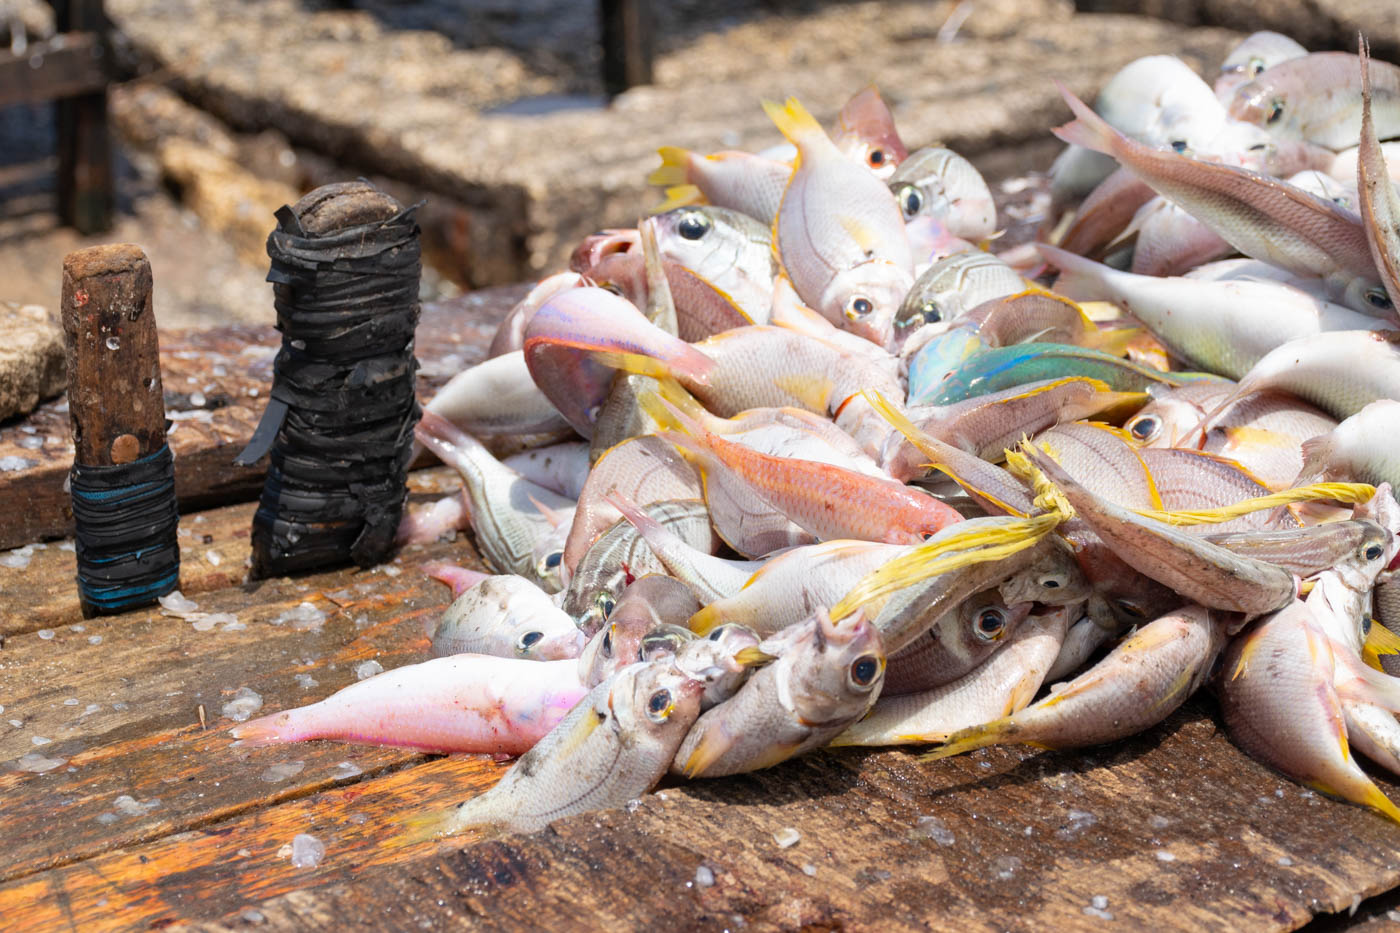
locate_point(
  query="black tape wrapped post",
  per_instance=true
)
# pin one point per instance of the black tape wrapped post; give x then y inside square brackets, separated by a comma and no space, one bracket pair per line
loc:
[339,423]
[123,477]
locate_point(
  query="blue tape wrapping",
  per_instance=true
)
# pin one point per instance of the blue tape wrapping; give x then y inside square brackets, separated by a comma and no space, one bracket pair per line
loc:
[127,521]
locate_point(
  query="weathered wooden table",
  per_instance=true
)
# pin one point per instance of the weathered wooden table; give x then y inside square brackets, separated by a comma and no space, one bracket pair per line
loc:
[125,806]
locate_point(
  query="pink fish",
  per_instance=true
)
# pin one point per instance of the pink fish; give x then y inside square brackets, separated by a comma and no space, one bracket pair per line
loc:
[463,703]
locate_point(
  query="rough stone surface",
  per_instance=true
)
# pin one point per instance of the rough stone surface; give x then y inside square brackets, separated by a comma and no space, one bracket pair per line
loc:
[1318,24]
[534,175]
[31,358]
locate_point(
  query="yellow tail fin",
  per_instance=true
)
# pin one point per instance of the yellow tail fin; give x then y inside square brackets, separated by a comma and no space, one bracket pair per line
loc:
[679,196]
[1350,493]
[793,120]
[674,169]
[1379,640]
[968,740]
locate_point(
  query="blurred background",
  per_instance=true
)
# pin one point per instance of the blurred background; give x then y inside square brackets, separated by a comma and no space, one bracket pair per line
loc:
[513,119]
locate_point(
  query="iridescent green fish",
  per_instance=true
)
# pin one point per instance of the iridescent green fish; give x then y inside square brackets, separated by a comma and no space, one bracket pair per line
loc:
[999,368]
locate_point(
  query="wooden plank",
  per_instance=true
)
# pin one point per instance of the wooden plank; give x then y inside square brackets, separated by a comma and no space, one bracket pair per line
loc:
[216,384]
[214,554]
[117,701]
[1175,829]
[63,66]
[86,185]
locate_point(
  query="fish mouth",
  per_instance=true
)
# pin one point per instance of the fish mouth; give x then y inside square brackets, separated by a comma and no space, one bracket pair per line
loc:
[598,246]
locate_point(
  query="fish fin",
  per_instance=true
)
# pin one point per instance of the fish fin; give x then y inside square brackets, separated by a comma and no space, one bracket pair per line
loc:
[1113,340]
[968,740]
[1364,683]
[812,391]
[674,168]
[1088,129]
[661,306]
[860,234]
[1023,692]
[553,516]
[711,747]
[1350,493]
[1379,640]
[435,824]
[680,196]
[753,656]
[794,122]
[1316,451]
[635,363]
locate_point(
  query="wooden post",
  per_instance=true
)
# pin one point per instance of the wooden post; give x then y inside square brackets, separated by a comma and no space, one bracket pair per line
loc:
[126,527]
[629,43]
[85,189]
[115,399]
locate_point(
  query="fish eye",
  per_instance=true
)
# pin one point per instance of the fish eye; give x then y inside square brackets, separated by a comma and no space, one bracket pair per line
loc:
[528,640]
[858,307]
[1379,299]
[612,287]
[607,642]
[549,563]
[930,312]
[605,603]
[1372,552]
[989,625]
[1275,111]
[659,706]
[911,200]
[693,225]
[1052,581]
[717,634]
[1179,145]
[1130,609]
[876,158]
[1258,147]
[864,670]
[1145,428]
[1255,67]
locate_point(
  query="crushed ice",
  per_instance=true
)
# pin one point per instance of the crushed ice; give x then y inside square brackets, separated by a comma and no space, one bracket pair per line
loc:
[787,837]
[36,763]
[936,829]
[307,851]
[304,618]
[244,704]
[17,559]
[366,669]
[282,770]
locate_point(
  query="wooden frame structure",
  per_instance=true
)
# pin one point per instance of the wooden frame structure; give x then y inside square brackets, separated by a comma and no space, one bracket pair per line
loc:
[73,70]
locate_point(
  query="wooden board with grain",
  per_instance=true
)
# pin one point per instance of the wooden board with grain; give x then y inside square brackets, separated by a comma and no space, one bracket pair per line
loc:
[216,385]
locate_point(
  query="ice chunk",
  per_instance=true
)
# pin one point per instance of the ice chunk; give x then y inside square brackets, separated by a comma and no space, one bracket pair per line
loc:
[304,618]
[38,764]
[307,851]
[177,604]
[936,829]
[17,559]
[367,669]
[787,837]
[244,704]
[282,770]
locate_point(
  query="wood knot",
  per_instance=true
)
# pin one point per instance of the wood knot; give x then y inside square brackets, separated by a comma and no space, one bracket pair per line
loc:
[125,449]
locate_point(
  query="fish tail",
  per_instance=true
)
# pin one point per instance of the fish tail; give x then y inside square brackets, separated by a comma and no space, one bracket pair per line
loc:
[268,730]
[968,740]
[1376,799]
[706,620]
[460,579]
[674,170]
[680,196]
[1113,340]
[1379,640]
[1079,277]
[1088,129]
[425,827]
[793,120]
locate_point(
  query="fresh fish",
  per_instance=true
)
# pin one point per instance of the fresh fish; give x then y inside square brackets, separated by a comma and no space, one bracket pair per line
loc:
[1084,638]
[561,467]
[1318,98]
[998,368]
[1169,241]
[507,510]
[620,555]
[1140,683]
[1003,684]
[827,501]
[1364,448]
[1224,327]
[1379,203]
[1159,101]
[1201,572]
[952,286]
[715,661]
[1341,372]
[1250,58]
[941,184]
[1190,479]
[497,397]
[727,251]
[612,747]
[465,703]
[507,617]
[839,233]
[789,585]
[510,334]
[1281,705]
[865,133]
[1054,579]
[459,579]
[740,181]
[960,641]
[648,603]
[1262,217]
[825,677]
[1304,552]
[1263,432]
[645,470]
[988,424]
[569,331]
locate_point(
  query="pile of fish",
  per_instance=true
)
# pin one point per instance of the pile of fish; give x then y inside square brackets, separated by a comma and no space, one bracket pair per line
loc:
[805,461]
